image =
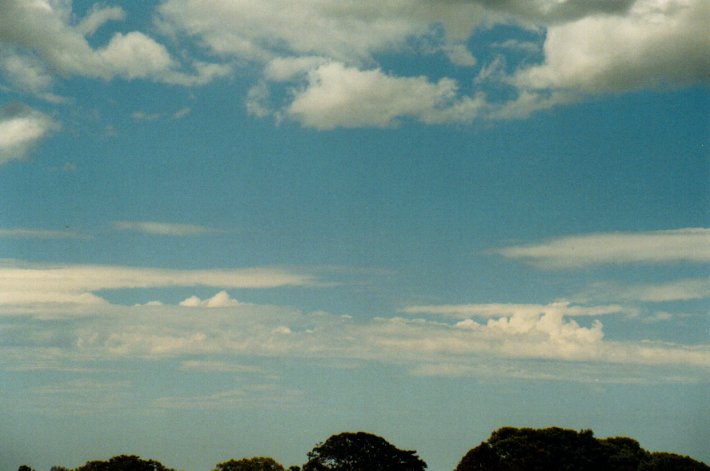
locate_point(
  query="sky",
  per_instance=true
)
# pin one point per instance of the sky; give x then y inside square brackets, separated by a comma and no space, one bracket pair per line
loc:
[232,228]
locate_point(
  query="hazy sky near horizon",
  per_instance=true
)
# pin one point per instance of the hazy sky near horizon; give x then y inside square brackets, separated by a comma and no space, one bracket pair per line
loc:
[232,228]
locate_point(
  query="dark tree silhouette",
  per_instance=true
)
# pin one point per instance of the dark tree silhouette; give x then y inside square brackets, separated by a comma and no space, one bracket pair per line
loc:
[661,461]
[556,449]
[361,452]
[124,463]
[24,467]
[259,463]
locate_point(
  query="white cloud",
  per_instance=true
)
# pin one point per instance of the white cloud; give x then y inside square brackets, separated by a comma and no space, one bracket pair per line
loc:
[221,299]
[36,284]
[27,233]
[20,129]
[182,113]
[341,96]
[670,246]
[343,31]
[218,366]
[162,228]
[135,55]
[327,50]
[261,395]
[80,397]
[677,290]
[546,343]
[43,29]
[656,43]
[510,309]
[28,74]
[97,17]
[460,55]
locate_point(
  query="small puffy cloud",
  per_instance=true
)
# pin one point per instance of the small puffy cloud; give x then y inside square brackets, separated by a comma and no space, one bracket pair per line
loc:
[28,74]
[670,246]
[341,96]
[460,55]
[182,112]
[97,17]
[143,116]
[162,228]
[221,299]
[135,55]
[21,128]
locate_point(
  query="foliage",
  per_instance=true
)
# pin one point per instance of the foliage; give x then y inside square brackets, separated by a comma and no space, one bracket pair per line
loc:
[556,449]
[672,462]
[24,467]
[259,463]
[124,463]
[361,452]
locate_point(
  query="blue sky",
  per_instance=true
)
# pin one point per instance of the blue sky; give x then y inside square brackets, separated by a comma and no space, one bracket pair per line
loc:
[234,228]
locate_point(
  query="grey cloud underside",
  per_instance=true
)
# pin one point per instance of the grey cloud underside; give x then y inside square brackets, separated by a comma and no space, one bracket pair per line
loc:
[590,47]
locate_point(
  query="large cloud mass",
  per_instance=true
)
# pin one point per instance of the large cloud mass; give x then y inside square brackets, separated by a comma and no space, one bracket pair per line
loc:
[334,49]
[39,36]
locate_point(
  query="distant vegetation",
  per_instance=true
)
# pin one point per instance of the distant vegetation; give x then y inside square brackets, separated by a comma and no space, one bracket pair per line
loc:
[507,449]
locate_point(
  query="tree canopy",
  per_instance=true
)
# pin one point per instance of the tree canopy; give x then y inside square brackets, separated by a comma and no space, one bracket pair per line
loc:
[259,463]
[556,449]
[124,463]
[361,451]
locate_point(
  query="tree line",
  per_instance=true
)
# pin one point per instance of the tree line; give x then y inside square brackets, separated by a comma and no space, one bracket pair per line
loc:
[507,449]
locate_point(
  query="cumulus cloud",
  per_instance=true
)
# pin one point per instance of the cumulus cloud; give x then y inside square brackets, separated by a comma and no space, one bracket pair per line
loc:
[341,96]
[325,53]
[36,30]
[221,299]
[589,47]
[208,339]
[669,246]
[655,43]
[162,228]
[21,128]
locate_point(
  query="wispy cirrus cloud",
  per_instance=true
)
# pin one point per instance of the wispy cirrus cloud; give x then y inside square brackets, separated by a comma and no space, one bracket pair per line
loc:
[28,233]
[163,228]
[33,284]
[676,290]
[508,309]
[668,246]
